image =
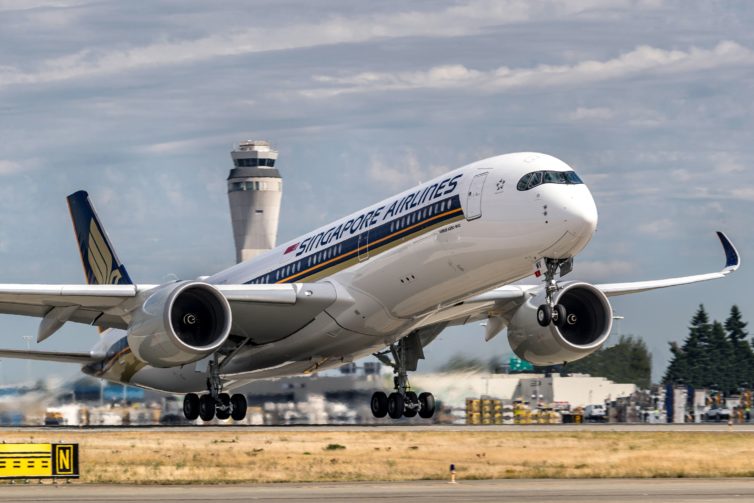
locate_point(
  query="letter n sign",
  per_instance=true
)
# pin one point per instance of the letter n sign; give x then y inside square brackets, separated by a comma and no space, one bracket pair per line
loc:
[65,460]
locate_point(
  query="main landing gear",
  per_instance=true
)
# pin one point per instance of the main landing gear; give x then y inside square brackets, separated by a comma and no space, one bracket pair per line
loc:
[549,312]
[215,403]
[403,402]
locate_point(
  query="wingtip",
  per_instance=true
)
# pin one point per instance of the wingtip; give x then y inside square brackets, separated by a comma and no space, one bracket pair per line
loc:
[732,259]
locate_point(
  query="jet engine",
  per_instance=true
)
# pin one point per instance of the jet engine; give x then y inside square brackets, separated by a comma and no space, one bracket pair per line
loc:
[179,323]
[589,319]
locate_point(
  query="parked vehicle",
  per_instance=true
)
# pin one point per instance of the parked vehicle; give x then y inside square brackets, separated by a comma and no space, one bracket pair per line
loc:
[717,414]
[595,413]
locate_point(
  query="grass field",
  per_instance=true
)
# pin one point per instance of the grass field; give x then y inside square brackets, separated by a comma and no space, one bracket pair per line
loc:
[194,457]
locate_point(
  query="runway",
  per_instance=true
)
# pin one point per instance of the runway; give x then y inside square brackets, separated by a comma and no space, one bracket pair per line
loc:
[511,428]
[545,490]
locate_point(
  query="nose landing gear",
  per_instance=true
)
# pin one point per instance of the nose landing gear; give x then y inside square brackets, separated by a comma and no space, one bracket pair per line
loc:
[549,312]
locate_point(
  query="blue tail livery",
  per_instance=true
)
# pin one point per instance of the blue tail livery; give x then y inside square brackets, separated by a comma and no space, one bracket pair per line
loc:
[101,264]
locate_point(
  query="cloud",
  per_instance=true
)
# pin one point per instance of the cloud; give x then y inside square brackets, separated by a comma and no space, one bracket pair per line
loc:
[402,172]
[9,168]
[604,269]
[642,60]
[657,228]
[591,114]
[459,20]
[743,193]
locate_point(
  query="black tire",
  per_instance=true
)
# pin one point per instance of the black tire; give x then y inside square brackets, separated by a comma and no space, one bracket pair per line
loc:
[238,403]
[559,315]
[191,406]
[427,402]
[206,407]
[544,315]
[224,411]
[411,398]
[395,405]
[379,404]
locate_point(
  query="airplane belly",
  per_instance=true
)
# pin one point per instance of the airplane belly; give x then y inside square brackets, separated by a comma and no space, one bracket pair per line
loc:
[322,343]
[185,379]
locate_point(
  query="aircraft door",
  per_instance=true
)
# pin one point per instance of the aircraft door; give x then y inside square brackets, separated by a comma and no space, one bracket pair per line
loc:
[474,200]
[363,246]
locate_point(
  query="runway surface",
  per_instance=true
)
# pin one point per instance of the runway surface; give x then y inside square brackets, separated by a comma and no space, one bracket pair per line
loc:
[546,490]
[627,427]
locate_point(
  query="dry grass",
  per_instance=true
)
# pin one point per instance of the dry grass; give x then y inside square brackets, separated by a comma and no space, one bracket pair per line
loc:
[169,457]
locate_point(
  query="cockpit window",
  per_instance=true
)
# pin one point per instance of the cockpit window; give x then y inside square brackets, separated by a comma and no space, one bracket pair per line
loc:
[536,178]
[523,183]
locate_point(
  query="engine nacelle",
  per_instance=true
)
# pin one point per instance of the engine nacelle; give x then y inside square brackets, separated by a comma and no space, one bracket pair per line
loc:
[586,329]
[179,323]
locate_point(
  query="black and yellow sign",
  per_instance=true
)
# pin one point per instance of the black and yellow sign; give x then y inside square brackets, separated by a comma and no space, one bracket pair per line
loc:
[27,461]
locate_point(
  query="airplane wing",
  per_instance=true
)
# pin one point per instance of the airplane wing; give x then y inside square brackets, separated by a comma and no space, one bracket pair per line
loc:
[50,356]
[496,304]
[109,306]
[732,263]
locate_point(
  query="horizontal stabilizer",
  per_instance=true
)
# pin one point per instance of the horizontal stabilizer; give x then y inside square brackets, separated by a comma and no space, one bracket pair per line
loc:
[50,356]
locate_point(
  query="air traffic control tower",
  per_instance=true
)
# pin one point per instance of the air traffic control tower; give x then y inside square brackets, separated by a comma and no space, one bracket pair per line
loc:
[254,192]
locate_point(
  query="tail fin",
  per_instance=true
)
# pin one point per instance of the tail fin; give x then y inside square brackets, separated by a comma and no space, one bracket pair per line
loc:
[101,264]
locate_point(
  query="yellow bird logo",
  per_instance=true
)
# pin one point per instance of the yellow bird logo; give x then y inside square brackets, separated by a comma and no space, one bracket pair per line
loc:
[100,258]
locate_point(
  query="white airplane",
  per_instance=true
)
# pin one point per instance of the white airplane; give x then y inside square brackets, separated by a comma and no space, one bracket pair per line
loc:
[385,280]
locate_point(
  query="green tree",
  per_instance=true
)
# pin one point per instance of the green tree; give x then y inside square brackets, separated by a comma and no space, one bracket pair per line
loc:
[743,355]
[714,355]
[719,373]
[677,370]
[628,361]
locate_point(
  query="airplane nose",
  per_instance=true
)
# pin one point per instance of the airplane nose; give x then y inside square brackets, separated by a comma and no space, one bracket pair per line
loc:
[576,214]
[581,215]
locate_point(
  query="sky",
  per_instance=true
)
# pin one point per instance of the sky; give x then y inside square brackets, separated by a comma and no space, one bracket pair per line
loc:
[140,103]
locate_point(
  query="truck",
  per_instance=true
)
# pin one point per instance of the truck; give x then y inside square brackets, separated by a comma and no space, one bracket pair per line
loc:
[595,413]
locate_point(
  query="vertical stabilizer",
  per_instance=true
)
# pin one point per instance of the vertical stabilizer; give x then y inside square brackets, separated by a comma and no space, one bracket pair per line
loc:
[101,264]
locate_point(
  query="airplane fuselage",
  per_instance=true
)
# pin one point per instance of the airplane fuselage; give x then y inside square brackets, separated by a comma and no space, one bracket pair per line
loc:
[394,265]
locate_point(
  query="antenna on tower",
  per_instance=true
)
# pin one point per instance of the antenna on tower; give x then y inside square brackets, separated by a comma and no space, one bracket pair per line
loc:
[255,189]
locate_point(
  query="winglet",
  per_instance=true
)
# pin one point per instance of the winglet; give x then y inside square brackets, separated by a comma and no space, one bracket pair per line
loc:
[732,259]
[101,264]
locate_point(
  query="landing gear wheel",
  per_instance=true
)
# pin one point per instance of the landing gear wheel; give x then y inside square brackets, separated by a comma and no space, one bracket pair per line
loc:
[427,402]
[559,315]
[379,404]
[395,405]
[206,407]
[411,399]
[191,406]
[223,409]
[544,315]
[238,403]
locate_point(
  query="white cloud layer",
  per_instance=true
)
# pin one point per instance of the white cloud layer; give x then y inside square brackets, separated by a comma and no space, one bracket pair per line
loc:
[642,60]
[459,20]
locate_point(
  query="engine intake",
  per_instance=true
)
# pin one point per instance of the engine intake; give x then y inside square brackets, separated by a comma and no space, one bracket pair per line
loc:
[587,326]
[179,323]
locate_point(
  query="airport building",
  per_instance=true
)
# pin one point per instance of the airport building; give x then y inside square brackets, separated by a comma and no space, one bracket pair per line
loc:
[255,189]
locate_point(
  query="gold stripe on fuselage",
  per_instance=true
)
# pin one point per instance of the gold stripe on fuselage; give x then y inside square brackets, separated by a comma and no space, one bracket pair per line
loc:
[373,249]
